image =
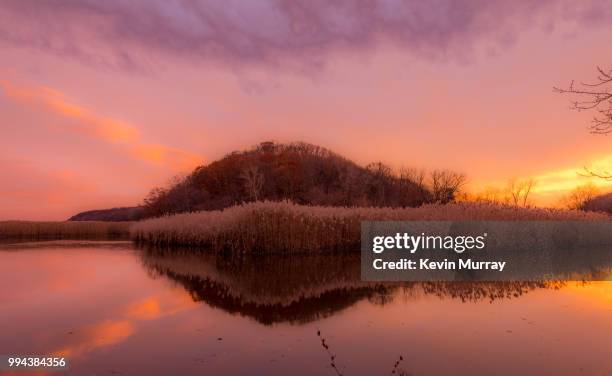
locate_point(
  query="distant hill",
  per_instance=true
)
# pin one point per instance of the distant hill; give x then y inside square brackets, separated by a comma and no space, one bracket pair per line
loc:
[111,215]
[601,203]
[302,173]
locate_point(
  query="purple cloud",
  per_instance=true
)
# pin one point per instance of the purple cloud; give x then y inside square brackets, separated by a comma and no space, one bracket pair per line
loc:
[132,33]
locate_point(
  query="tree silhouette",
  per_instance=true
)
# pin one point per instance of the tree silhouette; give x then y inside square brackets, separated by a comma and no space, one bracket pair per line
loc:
[595,96]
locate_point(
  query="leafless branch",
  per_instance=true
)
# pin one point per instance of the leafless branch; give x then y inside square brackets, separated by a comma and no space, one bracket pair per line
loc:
[594,174]
[594,96]
[519,191]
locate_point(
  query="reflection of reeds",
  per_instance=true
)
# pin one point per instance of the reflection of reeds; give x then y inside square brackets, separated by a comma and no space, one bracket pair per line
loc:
[479,291]
[302,288]
[270,289]
[287,227]
[266,279]
[64,230]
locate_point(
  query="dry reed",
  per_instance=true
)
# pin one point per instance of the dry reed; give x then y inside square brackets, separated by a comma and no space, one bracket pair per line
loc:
[291,228]
[63,230]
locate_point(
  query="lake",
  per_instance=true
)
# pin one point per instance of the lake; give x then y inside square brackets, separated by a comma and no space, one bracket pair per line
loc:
[112,308]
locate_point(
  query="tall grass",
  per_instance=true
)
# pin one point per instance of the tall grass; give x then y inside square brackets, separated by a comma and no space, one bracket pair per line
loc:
[287,227]
[29,230]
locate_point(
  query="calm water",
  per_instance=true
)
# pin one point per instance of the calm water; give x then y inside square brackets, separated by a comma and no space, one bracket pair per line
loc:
[113,309]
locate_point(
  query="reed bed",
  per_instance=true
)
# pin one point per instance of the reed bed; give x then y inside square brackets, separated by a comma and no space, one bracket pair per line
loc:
[291,228]
[94,230]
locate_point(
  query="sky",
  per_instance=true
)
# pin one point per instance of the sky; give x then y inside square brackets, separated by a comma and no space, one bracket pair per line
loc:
[100,101]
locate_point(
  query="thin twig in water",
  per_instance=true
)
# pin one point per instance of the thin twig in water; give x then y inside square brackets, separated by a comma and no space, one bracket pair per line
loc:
[332,357]
[397,363]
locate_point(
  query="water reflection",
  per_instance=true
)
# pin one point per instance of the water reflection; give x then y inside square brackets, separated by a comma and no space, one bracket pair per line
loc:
[113,309]
[303,288]
[269,289]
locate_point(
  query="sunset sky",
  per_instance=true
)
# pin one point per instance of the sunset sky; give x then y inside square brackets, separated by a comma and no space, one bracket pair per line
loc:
[102,100]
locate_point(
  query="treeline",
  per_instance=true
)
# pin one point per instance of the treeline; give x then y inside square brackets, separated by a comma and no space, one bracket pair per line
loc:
[587,197]
[304,174]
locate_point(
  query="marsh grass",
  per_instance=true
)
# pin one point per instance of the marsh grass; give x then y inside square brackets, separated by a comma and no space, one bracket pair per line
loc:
[30,230]
[291,228]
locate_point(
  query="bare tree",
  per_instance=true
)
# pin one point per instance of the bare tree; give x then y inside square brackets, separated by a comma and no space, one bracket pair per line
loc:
[580,196]
[253,181]
[445,185]
[379,186]
[413,175]
[493,195]
[412,189]
[519,191]
[595,96]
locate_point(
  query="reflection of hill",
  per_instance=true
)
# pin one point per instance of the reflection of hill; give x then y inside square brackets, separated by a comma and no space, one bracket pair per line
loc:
[269,289]
[266,279]
[303,288]
[303,309]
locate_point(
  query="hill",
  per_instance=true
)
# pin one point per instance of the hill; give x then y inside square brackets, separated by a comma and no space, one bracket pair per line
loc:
[111,215]
[601,203]
[303,173]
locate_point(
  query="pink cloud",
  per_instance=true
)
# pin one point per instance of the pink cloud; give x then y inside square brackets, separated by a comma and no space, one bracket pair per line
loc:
[130,34]
[100,127]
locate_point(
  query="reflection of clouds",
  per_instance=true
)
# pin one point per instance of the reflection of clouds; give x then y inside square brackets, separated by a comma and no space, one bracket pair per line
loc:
[146,310]
[47,272]
[159,306]
[104,334]
[65,281]
[94,299]
[599,292]
[112,332]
